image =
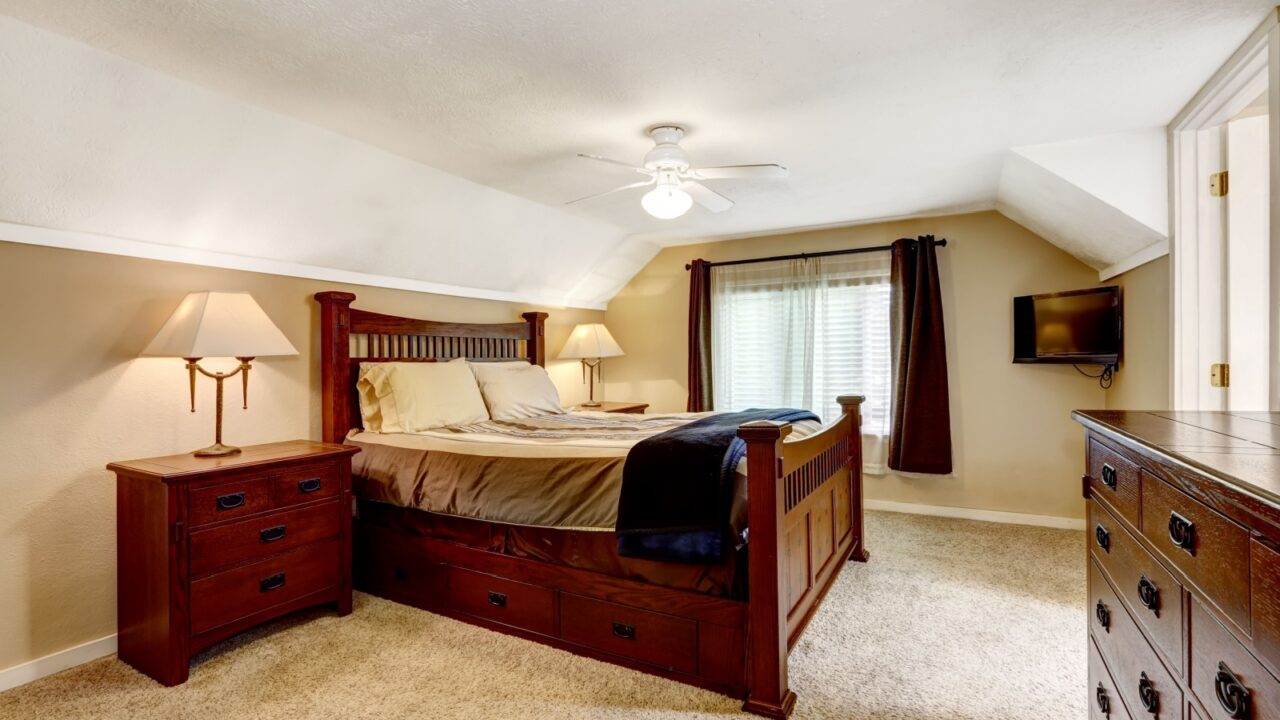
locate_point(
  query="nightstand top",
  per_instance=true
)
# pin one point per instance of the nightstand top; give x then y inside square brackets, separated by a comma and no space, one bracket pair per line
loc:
[177,467]
[615,407]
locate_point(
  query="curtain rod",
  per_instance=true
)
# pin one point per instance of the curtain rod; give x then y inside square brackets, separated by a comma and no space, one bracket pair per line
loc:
[801,256]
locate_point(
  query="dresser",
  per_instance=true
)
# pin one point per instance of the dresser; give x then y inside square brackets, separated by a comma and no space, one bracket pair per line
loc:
[208,547]
[1183,564]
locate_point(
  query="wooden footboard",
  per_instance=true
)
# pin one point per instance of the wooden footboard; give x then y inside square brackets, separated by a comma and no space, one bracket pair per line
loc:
[804,514]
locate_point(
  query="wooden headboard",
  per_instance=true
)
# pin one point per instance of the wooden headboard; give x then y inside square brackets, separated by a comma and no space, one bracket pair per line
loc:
[349,337]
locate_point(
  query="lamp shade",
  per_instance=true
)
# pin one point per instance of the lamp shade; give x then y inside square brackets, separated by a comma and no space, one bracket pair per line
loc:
[590,340]
[219,324]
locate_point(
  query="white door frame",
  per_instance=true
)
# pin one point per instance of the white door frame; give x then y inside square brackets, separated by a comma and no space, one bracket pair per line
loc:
[1196,244]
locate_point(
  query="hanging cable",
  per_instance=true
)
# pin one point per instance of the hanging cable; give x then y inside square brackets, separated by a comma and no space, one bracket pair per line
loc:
[1104,378]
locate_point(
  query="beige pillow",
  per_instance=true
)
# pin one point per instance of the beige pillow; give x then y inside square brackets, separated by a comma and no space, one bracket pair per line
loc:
[370,379]
[418,396]
[514,391]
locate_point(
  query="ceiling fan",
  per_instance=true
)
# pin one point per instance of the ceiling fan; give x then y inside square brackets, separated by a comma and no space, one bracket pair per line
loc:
[675,183]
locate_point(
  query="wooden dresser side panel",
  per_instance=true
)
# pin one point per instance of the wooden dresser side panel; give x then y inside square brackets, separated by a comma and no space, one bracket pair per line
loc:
[151,619]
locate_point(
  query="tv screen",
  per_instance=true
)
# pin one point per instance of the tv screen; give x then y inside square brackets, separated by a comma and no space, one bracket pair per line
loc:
[1081,326]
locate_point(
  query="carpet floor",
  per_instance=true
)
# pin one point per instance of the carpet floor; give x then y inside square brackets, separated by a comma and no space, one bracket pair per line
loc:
[951,619]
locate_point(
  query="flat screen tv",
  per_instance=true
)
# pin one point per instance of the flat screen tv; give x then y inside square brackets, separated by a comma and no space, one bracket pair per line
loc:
[1081,327]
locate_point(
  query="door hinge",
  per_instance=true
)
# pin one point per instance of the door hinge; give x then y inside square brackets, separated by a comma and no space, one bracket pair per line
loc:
[1220,375]
[1218,185]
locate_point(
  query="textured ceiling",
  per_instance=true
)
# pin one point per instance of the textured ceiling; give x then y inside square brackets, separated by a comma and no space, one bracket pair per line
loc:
[880,109]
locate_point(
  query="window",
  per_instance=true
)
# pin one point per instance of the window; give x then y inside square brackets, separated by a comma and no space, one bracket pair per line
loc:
[798,333]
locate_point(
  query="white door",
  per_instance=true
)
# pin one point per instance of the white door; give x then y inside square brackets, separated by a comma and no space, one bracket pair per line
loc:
[1247,277]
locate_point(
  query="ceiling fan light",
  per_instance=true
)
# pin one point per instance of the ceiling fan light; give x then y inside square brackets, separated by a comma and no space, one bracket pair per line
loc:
[666,202]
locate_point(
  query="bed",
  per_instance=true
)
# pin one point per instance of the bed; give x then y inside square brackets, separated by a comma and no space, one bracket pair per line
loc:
[551,572]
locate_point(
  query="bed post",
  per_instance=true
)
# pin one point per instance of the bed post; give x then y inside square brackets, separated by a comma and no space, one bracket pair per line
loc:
[335,363]
[536,347]
[852,406]
[767,690]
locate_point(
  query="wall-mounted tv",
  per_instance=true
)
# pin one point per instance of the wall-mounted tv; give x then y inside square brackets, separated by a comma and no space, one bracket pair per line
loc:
[1081,327]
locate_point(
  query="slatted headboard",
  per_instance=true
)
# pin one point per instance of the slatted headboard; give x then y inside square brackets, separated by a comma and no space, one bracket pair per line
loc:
[349,337]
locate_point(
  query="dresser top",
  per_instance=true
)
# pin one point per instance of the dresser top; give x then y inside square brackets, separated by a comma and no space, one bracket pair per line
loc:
[1238,448]
[184,465]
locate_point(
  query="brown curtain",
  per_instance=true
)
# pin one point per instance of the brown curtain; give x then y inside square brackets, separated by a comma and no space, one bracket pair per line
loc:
[920,437]
[699,336]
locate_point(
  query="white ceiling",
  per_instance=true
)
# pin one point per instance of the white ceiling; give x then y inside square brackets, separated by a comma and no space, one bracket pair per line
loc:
[879,109]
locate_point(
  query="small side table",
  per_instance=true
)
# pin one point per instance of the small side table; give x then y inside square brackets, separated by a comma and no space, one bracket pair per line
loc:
[617,407]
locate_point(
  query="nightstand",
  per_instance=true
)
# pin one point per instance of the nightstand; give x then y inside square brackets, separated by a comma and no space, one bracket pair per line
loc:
[210,546]
[617,407]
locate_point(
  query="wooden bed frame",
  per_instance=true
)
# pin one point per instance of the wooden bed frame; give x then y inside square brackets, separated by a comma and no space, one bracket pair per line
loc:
[805,520]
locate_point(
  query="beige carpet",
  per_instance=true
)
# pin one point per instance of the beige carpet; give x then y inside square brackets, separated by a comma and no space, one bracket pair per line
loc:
[950,619]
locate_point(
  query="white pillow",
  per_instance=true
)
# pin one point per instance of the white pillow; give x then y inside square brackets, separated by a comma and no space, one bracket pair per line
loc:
[370,379]
[514,391]
[418,396]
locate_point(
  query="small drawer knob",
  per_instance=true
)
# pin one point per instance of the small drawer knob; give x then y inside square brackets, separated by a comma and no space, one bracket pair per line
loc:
[1149,595]
[309,485]
[271,534]
[1108,476]
[497,599]
[624,631]
[230,501]
[1104,702]
[275,582]
[1103,537]
[1104,616]
[1182,532]
[1232,695]
[1147,695]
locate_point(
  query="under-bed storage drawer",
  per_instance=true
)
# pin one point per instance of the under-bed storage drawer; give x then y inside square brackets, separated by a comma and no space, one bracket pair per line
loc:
[1227,679]
[501,600]
[1104,697]
[655,638]
[235,594]
[1144,684]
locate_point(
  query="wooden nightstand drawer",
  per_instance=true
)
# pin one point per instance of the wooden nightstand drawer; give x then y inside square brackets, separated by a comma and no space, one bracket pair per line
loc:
[306,485]
[227,545]
[235,594]
[229,501]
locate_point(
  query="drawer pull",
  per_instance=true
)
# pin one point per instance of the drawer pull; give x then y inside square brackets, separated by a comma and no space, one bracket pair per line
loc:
[275,582]
[1104,702]
[1149,595]
[624,631]
[497,599]
[401,574]
[231,501]
[309,485]
[1103,615]
[1148,695]
[1108,476]
[1182,532]
[1104,538]
[271,534]
[1232,696]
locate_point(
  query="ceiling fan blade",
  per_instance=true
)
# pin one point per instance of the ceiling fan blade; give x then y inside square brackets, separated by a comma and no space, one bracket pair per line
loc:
[706,197]
[642,183]
[741,171]
[611,161]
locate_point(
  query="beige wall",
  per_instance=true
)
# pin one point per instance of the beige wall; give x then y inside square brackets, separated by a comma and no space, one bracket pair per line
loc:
[1143,381]
[77,396]
[1017,449]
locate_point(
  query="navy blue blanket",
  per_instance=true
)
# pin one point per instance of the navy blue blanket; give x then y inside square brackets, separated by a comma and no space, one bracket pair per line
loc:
[677,488]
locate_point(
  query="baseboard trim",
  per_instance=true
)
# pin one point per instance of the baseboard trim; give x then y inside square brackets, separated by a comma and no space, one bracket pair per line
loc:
[997,516]
[57,662]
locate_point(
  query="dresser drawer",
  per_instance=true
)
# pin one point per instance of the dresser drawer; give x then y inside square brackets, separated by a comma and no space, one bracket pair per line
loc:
[1265,582]
[306,485]
[1114,479]
[1230,683]
[228,501]
[1210,550]
[235,594]
[654,638]
[1153,596]
[1145,686]
[504,601]
[1104,698]
[226,545]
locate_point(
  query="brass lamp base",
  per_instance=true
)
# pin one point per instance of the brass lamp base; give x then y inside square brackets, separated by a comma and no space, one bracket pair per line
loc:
[217,450]
[589,404]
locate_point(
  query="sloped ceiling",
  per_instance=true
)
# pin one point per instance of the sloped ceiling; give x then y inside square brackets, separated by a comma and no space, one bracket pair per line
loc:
[880,110]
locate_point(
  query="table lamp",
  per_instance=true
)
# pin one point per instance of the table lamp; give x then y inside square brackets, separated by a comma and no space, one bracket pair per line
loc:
[219,324]
[590,343]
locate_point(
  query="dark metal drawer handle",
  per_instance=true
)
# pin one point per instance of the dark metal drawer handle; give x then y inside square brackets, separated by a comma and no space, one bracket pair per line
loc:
[275,582]
[401,574]
[271,534]
[1232,696]
[1104,538]
[1182,532]
[1104,702]
[309,485]
[1149,595]
[1148,695]
[497,599]
[624,631]
[230,502]
[1103,615]
[1108,476]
